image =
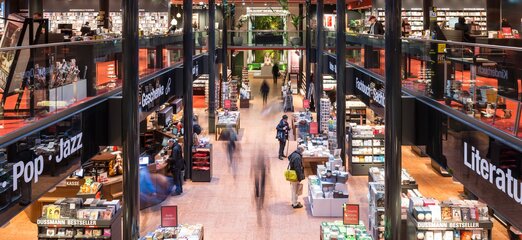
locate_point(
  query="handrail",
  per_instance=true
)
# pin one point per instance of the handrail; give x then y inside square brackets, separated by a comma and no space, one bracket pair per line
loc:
[44,45]
[410,39]
[267,31]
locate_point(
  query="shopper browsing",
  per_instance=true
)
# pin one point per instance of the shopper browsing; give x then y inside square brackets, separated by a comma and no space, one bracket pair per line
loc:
[177,164]
[296,164]
[376,27]
[465,28]
[282,135]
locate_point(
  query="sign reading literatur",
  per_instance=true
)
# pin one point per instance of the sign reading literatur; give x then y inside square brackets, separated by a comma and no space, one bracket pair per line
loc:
[169,216]
[502,179]
[156,92]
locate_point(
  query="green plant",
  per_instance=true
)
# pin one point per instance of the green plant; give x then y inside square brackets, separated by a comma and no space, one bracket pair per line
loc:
[296,20]
[241,21]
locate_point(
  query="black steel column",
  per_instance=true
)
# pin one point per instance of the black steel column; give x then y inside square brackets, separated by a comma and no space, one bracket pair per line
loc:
[130,122]
[319,58]
[224,42]
[426,7]
[393,119]
[211,66]
[308,50]
[188,116]
[11,6]
[341,79]
[35,6]
[104,7]
[159,56]
[300,34]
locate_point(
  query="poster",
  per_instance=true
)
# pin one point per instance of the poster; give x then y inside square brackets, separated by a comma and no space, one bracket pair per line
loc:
[11,37]
[351,214]
[169,216]
[306,104]
[314,128]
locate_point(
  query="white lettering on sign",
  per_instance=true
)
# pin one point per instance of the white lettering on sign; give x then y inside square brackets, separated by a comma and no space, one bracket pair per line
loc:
[32,170]
[376,94]
[195,70]
[332,67]
[431,225]
[493,72]
[155,94]
[503,180]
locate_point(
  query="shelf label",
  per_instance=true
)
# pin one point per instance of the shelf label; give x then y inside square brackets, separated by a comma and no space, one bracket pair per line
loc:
[169,216]
[351,214]
[460,225]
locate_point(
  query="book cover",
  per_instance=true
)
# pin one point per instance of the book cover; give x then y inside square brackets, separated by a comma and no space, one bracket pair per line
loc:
[466,214]
[446,213]
[456,214]
[466,235]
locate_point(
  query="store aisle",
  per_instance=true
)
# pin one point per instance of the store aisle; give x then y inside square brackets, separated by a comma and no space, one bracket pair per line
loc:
[225,206]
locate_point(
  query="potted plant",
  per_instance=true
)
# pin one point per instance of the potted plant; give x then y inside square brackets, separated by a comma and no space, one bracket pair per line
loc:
[296,21]
[238,40]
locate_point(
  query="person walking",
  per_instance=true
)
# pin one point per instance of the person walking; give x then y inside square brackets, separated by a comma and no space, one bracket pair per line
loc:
[275,72]
[265,89]
[282,135]
[296,163]
[177,164]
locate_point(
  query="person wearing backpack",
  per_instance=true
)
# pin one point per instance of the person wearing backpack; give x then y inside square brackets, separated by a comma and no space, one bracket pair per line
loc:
[282,135]
[295,163]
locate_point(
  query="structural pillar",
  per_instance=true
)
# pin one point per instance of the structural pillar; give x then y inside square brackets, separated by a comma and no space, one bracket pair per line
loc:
[35,6]
[300,29]
[224,42]
[426,7]
[211,66]
[341,78]
[188,116]
[11,6]
[130,122]
[393,121]
[308,50]
[319,58]
[104,8]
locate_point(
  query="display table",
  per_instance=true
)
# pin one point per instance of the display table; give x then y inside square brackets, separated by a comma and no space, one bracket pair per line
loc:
[184,231]
[232,119]
[301,123]
[337,230]
[316,153]
[321,203]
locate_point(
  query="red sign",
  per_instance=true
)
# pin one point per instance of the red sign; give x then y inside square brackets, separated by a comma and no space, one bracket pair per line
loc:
[228,104]
[351,214]
[306,103]
[314,128]
[169,216]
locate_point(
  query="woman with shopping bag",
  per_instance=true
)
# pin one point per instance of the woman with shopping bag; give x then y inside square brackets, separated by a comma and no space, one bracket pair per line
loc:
[295,174]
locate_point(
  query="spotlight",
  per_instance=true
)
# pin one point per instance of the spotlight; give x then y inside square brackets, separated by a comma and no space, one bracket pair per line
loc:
[178,15]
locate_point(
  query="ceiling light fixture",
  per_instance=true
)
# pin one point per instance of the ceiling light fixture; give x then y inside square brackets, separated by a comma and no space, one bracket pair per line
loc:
[178,15]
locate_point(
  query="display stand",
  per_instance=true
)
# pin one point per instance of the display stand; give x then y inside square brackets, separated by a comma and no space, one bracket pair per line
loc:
[183,231]
[202,164]
[337,230]
[223,121]
[327,194]
[233,94]
[73,228]
[355,113]
[466,228]
[365,148]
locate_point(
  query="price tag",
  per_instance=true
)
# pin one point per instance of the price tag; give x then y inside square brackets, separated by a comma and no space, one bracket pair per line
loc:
[169,216]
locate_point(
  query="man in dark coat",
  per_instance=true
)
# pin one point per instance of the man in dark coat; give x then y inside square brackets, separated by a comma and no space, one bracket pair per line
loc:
[265,89]
[376,27]
[282,135]
[177,164]
[296,163]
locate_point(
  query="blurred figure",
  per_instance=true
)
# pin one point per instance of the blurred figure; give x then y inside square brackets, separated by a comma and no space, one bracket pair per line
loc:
[296,163]
[231,137]
[282,135]
[275,72]
[265,89]
[259,168]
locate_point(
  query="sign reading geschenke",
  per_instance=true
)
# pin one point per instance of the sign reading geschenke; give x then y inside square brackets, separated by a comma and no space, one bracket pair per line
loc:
[156,92]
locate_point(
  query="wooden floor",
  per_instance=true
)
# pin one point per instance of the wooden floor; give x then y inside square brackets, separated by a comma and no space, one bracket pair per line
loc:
[226,206]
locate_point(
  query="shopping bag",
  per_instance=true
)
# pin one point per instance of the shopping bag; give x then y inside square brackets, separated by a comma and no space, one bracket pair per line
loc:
[291,175]
[299,189]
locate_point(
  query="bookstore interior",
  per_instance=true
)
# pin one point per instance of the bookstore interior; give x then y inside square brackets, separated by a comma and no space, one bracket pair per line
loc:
[65,180]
